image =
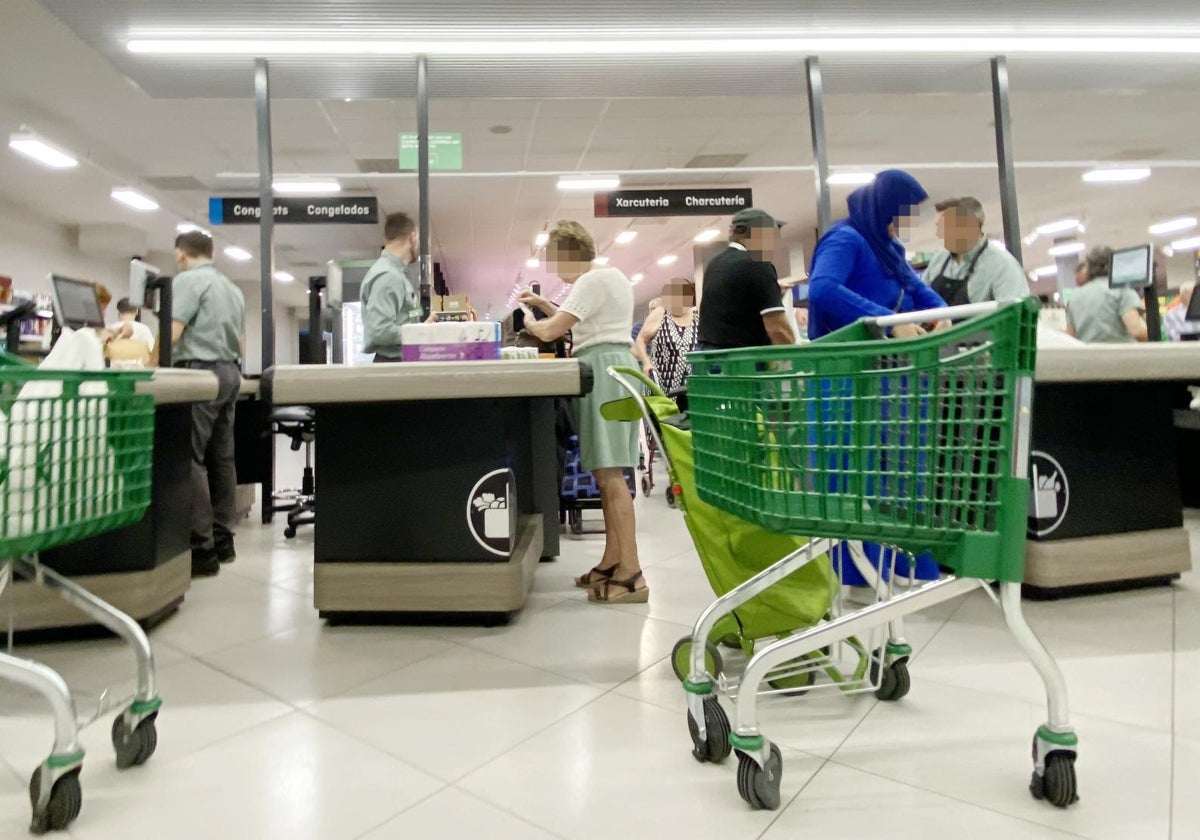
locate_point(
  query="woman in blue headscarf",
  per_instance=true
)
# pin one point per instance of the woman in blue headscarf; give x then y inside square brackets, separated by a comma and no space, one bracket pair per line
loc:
[860,270]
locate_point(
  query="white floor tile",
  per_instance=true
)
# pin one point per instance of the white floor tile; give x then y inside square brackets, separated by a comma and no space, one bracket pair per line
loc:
[452,713]
[241,611]
[608,771]
[851,805]
[14,803]
[313,661]
[1185,819]
[294,779]
[454,815]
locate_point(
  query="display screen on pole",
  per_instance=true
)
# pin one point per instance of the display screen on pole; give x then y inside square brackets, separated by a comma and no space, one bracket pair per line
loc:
[76,303]
[1131,268]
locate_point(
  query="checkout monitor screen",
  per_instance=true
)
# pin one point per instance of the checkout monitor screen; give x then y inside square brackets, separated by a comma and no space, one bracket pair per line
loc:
[1131,268]
[76,303]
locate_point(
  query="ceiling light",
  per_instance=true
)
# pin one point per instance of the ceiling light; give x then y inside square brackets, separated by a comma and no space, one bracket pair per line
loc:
[532,262]
[284,277]
[188,227]
[625,237]
[1061,226]
[347,99]
[850,179]
[999,243]
[977,42]
[707,235]
[1189,244]
[602,260]
[303,187]
[1173,226]
[1066,249]
[601,183]
[41,151]
[1045,271]
[541,239]
[1168,252]
[1116,176]
[238,254]
[637,278]
[668,259]
[132,198]
[1031,238]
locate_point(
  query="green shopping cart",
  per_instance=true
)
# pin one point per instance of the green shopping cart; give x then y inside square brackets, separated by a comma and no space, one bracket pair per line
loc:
[76,453]
[920,445]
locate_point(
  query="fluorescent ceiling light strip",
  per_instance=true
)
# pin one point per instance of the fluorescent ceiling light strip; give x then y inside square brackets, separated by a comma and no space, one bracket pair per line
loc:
[668,259]
[284,277]
[856,179]
[625,237]
[133,198]
[541,239]
[39,150]
[601,260]
[605,183]
[532,262]
[637,278]
[1190,244]
[1066,249]
[1061,226]
[188,227]
[238,254]
[302,187]
[1045,271]
[1173,225]
[971,44]
[707,235]
[1116,176]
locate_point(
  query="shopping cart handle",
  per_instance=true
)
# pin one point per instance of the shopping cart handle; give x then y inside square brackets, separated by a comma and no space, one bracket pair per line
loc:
[929,316]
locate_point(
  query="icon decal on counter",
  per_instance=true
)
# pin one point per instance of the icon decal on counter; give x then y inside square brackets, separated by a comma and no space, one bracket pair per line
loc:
[490,512]
[1049,494]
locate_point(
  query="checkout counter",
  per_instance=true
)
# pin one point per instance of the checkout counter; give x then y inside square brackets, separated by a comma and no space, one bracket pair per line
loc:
[436,483]
[1106,509]
[142,569]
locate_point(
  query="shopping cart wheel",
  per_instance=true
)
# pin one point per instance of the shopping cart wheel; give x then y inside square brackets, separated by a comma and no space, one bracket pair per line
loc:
[1058,786]
[134,748]
[715,747]
[895,683]
[289,532]
[646,487]
[759,786]
[681,658]
[66,799]
[671,500]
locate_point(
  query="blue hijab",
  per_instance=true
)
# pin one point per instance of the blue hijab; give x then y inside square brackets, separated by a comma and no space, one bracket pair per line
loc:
[874,207]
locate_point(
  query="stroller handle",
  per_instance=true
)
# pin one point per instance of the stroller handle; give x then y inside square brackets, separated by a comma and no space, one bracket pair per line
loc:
[655,390]
[626,377]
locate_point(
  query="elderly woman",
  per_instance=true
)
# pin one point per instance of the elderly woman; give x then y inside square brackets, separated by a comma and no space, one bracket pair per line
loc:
[599,314]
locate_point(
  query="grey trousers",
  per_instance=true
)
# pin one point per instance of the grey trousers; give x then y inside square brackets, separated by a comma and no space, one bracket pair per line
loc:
[214,475]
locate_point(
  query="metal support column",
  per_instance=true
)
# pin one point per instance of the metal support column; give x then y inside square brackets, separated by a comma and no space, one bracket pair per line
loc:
[1004,157]
[426,261]
[816,116]
[266,203]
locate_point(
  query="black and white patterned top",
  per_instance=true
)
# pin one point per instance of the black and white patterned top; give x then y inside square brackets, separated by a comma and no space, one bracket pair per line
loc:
[669,352]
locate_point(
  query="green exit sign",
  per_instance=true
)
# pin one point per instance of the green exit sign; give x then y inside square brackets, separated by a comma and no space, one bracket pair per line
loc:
[445,151]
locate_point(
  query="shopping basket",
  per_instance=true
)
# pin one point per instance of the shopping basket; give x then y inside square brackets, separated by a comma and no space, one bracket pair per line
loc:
[76,453]
[918,444]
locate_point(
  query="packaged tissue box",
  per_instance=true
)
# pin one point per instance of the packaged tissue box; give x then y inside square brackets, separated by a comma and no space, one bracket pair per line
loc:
[450,342]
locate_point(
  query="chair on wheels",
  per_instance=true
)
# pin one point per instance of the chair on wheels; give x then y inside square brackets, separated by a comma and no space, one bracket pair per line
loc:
[298,423]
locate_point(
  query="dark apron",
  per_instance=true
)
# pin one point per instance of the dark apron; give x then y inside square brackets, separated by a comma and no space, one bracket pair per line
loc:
[952,290]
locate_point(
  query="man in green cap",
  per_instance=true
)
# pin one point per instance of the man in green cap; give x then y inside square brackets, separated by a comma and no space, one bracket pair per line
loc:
[741,303]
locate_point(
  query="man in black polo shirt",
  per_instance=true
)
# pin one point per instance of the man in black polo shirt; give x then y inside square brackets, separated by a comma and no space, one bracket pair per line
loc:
[742,305]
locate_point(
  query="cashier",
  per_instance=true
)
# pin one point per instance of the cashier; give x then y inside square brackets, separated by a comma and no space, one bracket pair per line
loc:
[972,269]
[1097,314]
[599,314]
[389,300]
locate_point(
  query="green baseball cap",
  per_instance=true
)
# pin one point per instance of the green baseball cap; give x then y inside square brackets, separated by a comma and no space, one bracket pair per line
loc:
[752,217]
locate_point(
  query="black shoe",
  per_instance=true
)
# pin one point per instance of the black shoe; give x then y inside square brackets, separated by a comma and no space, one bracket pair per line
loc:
[204,562]
[226,553]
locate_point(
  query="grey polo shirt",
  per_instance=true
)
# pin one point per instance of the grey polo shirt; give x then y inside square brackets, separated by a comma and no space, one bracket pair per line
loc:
[389,302]
[213,312]
[998,275]
[1097,312]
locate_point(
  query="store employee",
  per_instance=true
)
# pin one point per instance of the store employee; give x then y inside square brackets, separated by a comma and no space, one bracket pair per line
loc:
[742,304]
[389,300]
[971,269]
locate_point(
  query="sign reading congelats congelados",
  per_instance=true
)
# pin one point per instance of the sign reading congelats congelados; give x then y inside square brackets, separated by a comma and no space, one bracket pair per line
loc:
[296,211]
[709,202]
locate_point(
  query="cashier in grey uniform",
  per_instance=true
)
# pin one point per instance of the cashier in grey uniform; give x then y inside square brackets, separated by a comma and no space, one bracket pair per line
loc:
[207,331]
[972,269]
[389,300]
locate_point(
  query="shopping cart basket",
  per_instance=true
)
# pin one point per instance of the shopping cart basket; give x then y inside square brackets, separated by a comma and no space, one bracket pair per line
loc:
[76,451]
[918,444]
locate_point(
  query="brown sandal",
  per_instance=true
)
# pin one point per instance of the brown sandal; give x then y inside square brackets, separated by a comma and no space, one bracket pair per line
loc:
[601,593]
[594,577]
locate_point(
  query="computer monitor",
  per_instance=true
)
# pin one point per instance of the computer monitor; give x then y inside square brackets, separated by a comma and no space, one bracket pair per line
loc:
[140,275]
[1131,268]
[76,303]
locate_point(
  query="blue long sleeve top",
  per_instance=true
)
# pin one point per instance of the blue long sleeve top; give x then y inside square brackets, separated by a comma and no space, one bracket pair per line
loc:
[848,282]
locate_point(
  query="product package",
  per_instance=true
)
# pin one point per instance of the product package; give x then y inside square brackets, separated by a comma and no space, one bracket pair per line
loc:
[450,342]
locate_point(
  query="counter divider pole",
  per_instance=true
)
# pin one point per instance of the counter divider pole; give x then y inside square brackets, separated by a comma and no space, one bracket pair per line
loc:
[816,117]
[423,180]
[1004,157]
[266,222]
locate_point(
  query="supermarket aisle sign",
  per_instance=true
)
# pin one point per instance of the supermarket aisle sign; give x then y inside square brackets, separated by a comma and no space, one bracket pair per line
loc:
[296,211]
[445,151]
[710,202]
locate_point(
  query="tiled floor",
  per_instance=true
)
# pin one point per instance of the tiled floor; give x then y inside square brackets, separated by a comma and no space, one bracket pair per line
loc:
[569,722]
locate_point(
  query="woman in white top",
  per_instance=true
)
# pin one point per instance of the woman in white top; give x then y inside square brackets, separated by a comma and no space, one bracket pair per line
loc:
[598,313]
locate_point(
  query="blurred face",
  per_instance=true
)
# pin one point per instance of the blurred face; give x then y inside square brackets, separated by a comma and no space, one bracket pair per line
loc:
[567,261]
[762,243]
[959,232]
[903,226]
[677,297]
[1081,274]
[128,316]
